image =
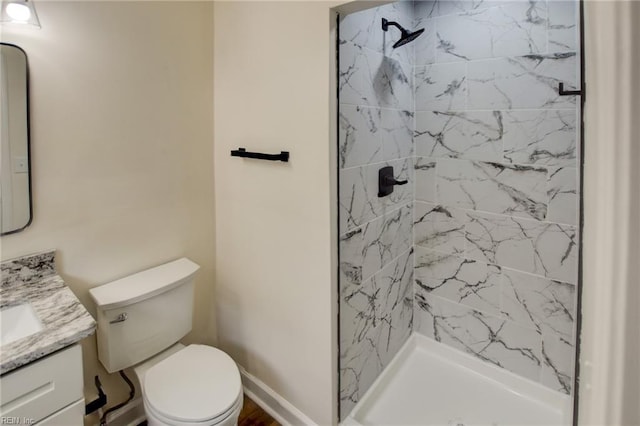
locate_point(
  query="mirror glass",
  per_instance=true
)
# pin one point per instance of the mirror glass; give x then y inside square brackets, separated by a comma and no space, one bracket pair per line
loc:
[15,180]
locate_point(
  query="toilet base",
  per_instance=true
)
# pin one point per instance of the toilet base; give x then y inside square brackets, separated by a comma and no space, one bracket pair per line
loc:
[231,420]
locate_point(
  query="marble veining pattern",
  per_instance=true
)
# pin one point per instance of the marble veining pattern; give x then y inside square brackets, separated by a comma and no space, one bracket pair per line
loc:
[539,303]
[351,258]
[376,257]
[370,78]
[439,227]
[358,67]
[542,248]
[425,179]
[474,135]
[425,9]
[393,84]
[468,282]
[441,87]
[543,137]
[377,318]
[492,339]
[548,306]
[453,292]
[512,28]
[558,362]
[529,81]
[360,364]
[363,29]
[424,47]
[385,238]
[370,135]
[562,189]
[563,25]
[360,140]
[396,313]
[65,321]
[493,187]
[358,197]
[397,134]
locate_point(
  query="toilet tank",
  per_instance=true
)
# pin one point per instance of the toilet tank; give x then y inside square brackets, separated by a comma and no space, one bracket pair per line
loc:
[144,313]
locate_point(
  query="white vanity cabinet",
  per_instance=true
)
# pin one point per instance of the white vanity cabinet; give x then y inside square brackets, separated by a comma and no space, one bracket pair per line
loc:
[45,392]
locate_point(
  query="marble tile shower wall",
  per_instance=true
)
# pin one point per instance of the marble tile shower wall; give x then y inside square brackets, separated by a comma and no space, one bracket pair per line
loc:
[496,168]
[479,250]
[376,124]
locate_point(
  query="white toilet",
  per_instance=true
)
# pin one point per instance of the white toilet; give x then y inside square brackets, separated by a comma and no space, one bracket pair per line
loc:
[140,320]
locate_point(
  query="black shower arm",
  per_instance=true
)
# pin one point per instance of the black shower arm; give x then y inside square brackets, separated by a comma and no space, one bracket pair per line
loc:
[385,25]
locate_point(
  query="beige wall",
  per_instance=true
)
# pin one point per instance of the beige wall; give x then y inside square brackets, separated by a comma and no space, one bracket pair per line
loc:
[121,107]
[122,147]
[275,227]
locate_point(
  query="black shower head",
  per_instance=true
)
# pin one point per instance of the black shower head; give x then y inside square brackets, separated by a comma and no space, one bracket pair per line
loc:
[406,35]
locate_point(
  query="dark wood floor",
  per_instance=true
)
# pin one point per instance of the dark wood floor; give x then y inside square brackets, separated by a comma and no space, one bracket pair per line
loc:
[253,415]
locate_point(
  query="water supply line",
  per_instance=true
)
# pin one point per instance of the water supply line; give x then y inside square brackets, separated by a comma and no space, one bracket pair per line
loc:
[132,394]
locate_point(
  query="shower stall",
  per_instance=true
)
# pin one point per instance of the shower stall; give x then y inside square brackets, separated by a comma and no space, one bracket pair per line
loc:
[459,169]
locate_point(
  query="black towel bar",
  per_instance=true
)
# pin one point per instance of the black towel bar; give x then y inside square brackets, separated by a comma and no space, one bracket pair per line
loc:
[241,152]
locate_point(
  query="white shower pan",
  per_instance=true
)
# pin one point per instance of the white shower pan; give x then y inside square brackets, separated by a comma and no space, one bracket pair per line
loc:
[429,383]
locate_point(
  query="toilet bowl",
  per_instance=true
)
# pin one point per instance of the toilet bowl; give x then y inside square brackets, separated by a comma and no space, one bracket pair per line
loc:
[196,385]
[140,319]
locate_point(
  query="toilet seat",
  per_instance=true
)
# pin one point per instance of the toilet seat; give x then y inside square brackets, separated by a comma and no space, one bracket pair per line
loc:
[196,385]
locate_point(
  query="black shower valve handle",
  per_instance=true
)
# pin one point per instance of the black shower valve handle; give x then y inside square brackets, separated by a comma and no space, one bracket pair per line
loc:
[389,180]
[386,181]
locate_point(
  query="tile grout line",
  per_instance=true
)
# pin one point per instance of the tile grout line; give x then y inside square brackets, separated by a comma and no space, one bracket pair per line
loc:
[500,215]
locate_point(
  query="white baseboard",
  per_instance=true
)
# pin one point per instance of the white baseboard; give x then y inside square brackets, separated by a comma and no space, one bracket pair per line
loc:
[277,407]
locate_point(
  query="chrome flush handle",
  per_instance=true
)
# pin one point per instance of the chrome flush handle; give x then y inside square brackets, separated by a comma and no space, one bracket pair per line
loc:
[120,318]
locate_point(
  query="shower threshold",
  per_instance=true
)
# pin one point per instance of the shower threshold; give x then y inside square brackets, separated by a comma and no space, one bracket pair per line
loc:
[429,383]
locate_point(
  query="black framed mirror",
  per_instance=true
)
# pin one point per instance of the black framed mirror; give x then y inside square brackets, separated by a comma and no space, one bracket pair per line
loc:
[16,210]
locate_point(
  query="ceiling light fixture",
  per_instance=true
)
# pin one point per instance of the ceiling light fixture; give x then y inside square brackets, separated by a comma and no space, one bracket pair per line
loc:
[19,12]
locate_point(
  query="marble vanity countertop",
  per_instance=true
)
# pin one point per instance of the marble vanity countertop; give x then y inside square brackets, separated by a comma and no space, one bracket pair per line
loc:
[65,320]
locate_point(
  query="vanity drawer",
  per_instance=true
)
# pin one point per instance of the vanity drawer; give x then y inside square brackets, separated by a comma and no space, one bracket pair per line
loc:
[44,386]
[72,415]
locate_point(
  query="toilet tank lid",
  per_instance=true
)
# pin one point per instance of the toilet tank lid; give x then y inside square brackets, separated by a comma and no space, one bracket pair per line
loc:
[143,285]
